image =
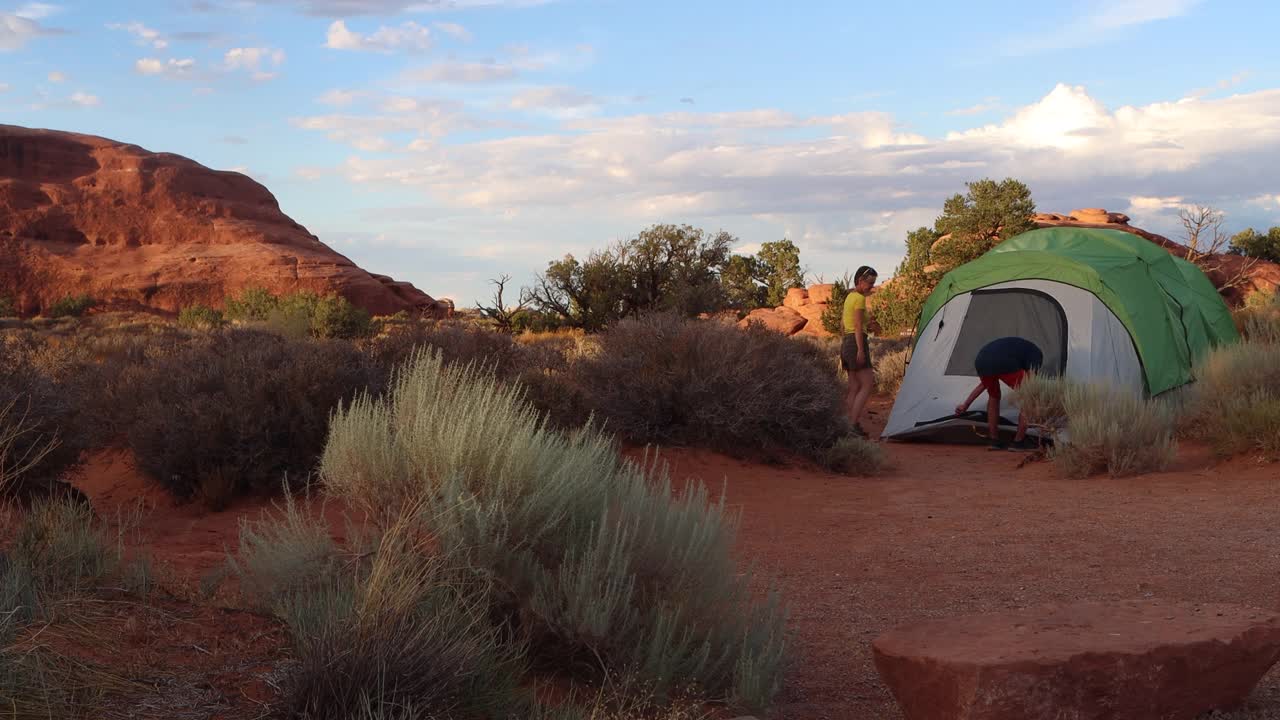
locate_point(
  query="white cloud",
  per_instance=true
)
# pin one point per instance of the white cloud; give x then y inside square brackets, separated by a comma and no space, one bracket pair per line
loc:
[16,31]
[987,105]
[85,99]
[5,87]
[347,8]
[453,29]
[408,36]
[1266,201]
[1139,202]
[1105,20]
[144,34]
[340,98]
[36,11]
[254,60]
[173,67]
[551,97]
[462,73]
[57,77]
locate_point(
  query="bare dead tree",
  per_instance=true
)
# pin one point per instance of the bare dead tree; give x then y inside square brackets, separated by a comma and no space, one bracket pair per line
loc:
[502,317]
[1207,245]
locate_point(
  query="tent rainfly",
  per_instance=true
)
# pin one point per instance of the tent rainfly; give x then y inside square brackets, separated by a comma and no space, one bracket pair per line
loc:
[1104,306]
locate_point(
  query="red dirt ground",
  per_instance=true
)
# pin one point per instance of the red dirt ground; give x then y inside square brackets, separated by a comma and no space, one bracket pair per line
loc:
[947,530]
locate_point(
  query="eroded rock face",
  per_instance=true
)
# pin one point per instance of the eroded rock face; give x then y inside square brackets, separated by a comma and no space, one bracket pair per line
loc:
[783,320]
[1134,660]
[134,229]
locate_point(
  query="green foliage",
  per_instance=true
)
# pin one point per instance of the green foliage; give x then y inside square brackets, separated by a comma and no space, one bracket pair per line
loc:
[1097,428]
[780,271]
[236,410]
[534,321]
[333,316]
[601,563]
[896,305]
[988,210]
[740,280]
[200,317]
[253,304]
[72,306]
[667,380]
[833,316]
[853,455]
[1251,243]
[1236,400]
[664,268]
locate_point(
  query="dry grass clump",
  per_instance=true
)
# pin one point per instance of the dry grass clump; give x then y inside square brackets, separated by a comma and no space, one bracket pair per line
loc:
[891,368]
[1099,429]
[1235,405]
[853,455]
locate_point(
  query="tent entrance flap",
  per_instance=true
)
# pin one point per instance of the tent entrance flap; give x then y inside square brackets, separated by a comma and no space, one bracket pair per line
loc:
[1006,312]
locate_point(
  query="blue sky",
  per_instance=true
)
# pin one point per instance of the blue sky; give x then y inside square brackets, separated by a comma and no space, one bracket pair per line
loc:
[447,142]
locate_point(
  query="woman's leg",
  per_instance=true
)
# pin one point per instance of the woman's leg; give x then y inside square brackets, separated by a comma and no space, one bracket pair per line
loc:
[866,383]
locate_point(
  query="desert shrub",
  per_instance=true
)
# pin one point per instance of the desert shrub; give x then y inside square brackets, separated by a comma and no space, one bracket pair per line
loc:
[853,455]
[663,379]
[61,550]
[896,305]
[593,559]
[237,410]
[253,304]
[335,317]
[200,317]
[891,368]
[41,423]
[457,342]
[1098,428]
[8,308]
[1259,320]
[1236,401]
[71,306]
[378,627]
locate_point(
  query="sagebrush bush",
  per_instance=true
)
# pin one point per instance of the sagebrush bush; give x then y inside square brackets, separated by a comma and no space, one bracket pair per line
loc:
[1235,404]
[300,313]
[853,455]
[236,410]
[457,342]
[891,368]
[1099,428]
[592,559]
[379,627]
[200,317]
[71,306]
[1259,320]
[666,380]
[253,304]
[43,420]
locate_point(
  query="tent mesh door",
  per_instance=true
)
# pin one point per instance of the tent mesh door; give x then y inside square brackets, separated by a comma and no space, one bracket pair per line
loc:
[994,314]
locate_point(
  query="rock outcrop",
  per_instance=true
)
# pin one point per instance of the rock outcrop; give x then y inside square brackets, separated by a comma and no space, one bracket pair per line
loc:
[134,229]
[801,311]
[1235,277]
[1139,660]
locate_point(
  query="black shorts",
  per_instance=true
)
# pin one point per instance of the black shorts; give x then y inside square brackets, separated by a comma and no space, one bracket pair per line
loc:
[849,354]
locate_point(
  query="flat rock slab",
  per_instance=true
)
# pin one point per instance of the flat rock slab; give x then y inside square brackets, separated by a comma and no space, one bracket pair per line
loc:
[1133,660]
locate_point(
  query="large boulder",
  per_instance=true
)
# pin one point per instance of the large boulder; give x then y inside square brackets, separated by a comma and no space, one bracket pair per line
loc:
[86,215]
[796,298]
[821,293]
[812,313]
[1134,660]
[782,320]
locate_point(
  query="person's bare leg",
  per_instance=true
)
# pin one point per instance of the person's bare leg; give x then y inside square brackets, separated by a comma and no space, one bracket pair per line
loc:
[851,395]
[866,383]
[993,416]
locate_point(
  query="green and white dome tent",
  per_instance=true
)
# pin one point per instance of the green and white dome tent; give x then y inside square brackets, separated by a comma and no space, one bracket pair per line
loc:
[1104,306]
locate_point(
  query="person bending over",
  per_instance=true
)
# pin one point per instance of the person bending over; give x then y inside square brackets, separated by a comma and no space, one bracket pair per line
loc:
[1007,360]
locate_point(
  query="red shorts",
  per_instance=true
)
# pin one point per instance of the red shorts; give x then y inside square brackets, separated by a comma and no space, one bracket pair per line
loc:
[1013,380]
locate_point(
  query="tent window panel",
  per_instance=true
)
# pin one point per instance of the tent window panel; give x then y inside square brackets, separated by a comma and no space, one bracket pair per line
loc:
[1029,314]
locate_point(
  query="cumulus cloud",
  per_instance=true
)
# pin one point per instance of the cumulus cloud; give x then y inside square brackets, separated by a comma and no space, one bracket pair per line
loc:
[1073,151]
[408,36]
[84,99]
[397,115]
[173,67]
[254,60]
[144,34]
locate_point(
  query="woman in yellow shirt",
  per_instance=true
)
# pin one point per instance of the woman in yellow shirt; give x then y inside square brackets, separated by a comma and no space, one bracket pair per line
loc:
[855,354]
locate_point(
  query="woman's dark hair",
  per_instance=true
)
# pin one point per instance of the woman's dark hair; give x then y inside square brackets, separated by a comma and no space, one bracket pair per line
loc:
[864,271]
